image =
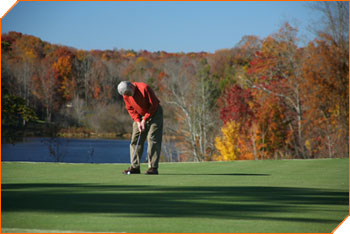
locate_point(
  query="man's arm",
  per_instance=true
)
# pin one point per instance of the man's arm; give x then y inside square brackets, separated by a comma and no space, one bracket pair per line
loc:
[154,103]
[133,114]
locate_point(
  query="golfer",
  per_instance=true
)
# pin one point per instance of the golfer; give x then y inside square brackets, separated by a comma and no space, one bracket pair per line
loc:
[143,107]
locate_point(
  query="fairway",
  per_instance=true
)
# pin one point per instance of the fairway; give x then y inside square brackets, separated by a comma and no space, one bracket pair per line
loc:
[242,196]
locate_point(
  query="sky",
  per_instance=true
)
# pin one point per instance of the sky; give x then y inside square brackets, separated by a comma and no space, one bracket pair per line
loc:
[171,26]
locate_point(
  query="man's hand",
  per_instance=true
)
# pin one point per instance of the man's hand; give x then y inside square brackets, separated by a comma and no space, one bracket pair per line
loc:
[141,125]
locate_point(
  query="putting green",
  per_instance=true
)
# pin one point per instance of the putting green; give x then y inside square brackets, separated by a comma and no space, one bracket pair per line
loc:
[242,196]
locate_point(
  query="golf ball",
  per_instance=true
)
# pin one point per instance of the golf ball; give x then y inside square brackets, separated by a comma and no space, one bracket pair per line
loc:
[128,172]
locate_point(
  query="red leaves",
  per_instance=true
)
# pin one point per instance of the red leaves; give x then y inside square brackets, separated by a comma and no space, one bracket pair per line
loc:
[234,104]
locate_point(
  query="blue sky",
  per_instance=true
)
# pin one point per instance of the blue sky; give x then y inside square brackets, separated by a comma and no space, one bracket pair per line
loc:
[179,26]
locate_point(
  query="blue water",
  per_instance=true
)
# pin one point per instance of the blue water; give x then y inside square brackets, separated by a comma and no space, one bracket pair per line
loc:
[69,150]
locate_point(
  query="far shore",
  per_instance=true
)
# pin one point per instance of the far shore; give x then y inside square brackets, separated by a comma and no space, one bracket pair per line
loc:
[93,135]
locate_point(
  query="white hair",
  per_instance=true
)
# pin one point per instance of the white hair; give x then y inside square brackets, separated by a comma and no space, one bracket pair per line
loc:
[124,86]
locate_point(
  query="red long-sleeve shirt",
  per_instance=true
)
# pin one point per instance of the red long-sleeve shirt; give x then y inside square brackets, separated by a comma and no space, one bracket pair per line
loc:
[143,103]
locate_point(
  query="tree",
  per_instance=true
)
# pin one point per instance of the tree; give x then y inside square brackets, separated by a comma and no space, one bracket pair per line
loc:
[45,88]
[15,114]
[326,70]
[65,73]
[334,22]
[189,89]
[234,105]
[269,133]
[83,62]
[206,94]
[228,143]
[263,128]
[277,70]
[179,87]
[327,91]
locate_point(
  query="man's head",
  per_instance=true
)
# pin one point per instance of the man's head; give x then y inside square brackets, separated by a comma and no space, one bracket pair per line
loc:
[126,88]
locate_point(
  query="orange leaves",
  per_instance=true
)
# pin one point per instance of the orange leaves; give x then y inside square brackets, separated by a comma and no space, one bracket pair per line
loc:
[256,125]
[130,55]
[29,48]
[274,97]
[326,87]
[96,92]
[161,75]
[63,68]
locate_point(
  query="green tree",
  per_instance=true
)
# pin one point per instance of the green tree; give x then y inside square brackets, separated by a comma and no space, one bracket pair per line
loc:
[15,115]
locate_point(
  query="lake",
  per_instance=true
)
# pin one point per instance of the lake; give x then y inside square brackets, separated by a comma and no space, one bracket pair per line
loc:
[69,150]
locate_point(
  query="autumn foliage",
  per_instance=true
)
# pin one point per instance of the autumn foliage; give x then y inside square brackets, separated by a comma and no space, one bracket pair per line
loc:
[265,98]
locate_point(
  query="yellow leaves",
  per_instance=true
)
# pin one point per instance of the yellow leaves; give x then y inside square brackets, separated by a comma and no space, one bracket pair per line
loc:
[308,144]
[227,144]
[142,62]
[105,57]
[268,45]
[30,54]
[334,111]
[130,55]
[81,54]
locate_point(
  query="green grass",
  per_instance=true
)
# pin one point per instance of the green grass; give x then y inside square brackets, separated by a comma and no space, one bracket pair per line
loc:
[243,196]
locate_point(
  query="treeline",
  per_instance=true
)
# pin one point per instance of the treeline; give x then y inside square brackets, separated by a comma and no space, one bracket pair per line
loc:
[263,99]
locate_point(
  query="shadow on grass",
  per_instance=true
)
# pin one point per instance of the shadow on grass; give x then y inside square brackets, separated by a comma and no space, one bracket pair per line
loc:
[260,203]
[215,174]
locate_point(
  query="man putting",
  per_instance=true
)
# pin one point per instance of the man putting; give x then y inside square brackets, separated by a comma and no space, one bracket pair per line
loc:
[143,107]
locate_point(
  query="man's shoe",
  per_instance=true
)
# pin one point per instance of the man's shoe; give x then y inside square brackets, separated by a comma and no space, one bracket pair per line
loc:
[152,171]
[132,171]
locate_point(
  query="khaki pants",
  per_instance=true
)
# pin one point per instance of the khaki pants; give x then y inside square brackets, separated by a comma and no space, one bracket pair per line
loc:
[153,133]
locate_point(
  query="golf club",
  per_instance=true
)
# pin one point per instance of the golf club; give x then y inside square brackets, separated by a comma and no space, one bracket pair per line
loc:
[137,144]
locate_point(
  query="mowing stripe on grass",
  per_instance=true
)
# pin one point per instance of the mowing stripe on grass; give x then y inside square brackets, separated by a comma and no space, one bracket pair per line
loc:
[20,230]
[302,196]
